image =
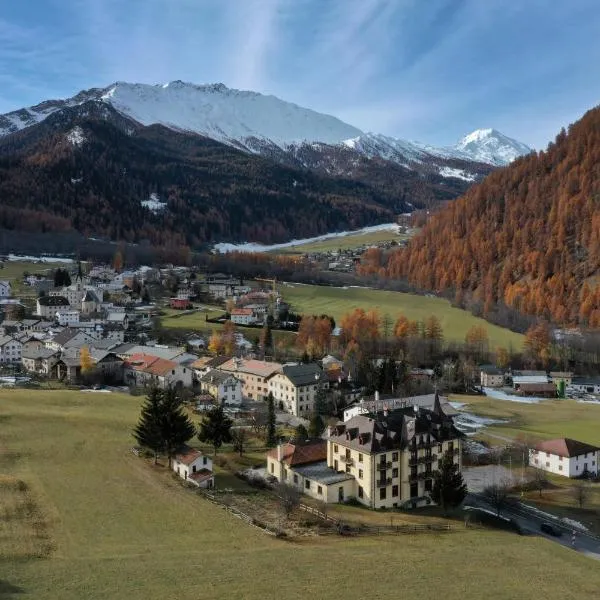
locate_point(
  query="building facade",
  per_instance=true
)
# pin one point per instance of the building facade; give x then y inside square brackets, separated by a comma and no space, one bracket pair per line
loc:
[254,375]
[10,350]
[223,386]
[295,388]
[566,457]
[194,467]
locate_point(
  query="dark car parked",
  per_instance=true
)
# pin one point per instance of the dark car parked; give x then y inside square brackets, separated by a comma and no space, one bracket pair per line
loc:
[550,530]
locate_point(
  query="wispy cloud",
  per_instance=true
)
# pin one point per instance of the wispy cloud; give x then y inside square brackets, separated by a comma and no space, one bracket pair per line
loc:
[422,70]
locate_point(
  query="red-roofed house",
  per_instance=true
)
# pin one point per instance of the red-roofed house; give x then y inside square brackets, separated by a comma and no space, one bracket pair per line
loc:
[243,316]
[145,370]
[304,466]
[193,466]
[254,374]
[564,456]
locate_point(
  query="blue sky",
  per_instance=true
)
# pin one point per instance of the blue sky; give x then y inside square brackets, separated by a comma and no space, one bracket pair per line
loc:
[430,70]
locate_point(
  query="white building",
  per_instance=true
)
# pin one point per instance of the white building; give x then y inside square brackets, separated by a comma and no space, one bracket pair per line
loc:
[10,350]
[222,386]
[585,385]
[295,387]
[67,317]
[145,369]
[46,306]
[564,456]
[5,289]
[243,316]
[193,466]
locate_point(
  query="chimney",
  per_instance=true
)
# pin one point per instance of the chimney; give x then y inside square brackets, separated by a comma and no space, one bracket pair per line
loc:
[279,452]
[329,431]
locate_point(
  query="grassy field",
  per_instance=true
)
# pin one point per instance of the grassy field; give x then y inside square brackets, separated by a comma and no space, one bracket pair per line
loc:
[337,301]
[111,526]
[544,420]
[346,242]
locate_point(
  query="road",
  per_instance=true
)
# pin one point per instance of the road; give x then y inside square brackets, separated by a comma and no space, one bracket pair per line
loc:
[530,521]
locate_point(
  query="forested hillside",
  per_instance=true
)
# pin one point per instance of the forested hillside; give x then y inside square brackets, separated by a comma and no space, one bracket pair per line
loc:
[527,236]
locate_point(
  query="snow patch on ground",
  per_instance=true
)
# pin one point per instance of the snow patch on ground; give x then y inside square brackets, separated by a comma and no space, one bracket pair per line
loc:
[154,204]
[225,247]
[468,422]
[499,395]
[456,173]
[564,520]
[44,259]
[76,137]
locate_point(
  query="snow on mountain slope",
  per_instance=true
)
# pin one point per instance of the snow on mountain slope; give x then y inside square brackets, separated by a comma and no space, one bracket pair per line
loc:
[268,126]
[224,114]
[492,147]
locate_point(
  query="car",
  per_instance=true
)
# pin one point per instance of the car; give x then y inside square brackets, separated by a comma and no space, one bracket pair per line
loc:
[550,529]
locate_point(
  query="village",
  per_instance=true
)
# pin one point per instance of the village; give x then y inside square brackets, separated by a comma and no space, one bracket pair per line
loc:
[92,329]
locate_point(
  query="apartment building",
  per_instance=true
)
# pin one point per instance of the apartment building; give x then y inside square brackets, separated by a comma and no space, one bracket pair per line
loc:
[393,455]
[295,387]
[10,350]
[254,374]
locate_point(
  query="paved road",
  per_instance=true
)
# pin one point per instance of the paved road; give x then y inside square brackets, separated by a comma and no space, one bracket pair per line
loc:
[530,522]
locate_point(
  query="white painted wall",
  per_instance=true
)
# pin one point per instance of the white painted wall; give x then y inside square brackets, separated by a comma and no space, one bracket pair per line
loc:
[568,467]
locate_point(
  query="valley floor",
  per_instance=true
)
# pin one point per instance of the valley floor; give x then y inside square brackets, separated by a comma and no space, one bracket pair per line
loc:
[91,520]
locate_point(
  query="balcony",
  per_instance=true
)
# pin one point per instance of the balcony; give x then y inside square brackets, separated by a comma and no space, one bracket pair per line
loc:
[413,462]
[347,460]
[383,466]
[384,482]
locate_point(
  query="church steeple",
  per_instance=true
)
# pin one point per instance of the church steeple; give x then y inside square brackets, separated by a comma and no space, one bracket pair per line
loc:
[437,405]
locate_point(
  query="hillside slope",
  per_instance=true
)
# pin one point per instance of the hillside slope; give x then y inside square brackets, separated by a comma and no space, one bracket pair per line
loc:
[528,235]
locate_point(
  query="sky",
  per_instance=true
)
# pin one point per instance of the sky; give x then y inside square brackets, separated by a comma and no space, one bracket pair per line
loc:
[427,70]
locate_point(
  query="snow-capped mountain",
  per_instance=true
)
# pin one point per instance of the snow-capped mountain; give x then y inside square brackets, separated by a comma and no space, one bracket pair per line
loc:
[276,129]
[492,147]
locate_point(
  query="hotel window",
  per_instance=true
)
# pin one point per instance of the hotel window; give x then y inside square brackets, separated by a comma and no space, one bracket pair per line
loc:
[394,472]
[560,467]
[394,491]
[272,468]
[382,493]
[360,492]
[360,473]
[347,468]
[360,458]
[394,456]
[307,484]
[335,447]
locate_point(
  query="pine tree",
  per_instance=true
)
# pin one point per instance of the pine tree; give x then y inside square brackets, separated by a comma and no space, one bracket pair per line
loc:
[321,404]
[266,340]
[148,432]
[271,422]
[316,426]
[215,429]
[176,426]
[449,488]
[301,433]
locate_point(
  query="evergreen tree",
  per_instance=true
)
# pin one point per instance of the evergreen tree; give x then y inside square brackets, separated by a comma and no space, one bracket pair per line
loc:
[148,432]
[449,488]
[301,433]
[215,429]
[266,340]
[66,278]
[316,426]
[271,423]
[176,426]
[321,404]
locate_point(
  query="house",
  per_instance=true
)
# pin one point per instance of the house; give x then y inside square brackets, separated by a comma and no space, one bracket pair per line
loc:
[46,306]
[564,456]
[166,352]
[5,289]
[254,375]
[222,386]
[67,317]
[521,377]
[392,455]
[195,467]
[491,376]
[67,367]
[382,460]
[243,316]
[304,466]
[295,387]
[146,369]
[585,385]
[120,318]
[10,350]
[69,338]
[90,303]
[108,364]
[558,376]
[180,303]
[39,360]
[543,390]
[204,364]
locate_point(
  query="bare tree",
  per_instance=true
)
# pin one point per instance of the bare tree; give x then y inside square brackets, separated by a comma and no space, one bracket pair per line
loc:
[289,498]
[581,493]
[239,436]
[539,480]
[259,420]
[497,495]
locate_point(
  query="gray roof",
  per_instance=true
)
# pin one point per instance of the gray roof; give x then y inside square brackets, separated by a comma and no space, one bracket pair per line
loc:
[216,377]
[105,344]
[303,374]
[321,473]
[90,297]
[491,370]
[33,353]
[7,338]
[586,381]
[65,336]
[53,301]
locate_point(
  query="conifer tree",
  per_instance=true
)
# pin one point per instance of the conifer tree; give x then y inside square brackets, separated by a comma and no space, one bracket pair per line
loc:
[316,426]
[215,429]
[176,426]
[271,422]
[148,432]
[449,488]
